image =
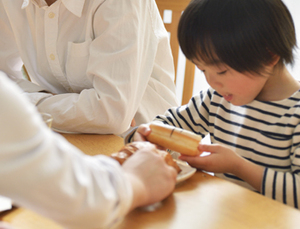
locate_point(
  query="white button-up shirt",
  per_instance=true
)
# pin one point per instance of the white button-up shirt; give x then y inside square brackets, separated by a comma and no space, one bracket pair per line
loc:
[41,171]
[106,61]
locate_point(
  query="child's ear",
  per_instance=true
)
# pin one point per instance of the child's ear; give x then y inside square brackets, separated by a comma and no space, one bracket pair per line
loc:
[274,61]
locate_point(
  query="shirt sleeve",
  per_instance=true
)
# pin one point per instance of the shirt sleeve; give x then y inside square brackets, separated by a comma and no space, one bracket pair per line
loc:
[284,186]
[120,73]
[41,171]
[193,116]
[10,61]
[105,75]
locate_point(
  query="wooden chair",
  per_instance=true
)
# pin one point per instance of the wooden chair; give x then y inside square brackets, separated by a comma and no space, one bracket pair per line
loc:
[177,6]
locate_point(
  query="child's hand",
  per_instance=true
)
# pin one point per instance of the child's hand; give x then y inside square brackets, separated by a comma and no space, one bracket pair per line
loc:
[141,133]
[224,160]
[221,160]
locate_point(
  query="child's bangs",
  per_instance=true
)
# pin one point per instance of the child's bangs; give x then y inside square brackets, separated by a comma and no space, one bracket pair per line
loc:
[198,47]
[205,52]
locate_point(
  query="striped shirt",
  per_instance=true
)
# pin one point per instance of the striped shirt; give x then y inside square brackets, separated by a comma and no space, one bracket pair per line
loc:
[265,133]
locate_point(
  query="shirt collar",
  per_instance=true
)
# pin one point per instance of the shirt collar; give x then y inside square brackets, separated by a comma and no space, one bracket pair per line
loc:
[74,6]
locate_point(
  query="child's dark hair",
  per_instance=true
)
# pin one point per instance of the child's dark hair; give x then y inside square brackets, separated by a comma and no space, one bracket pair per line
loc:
[243,34]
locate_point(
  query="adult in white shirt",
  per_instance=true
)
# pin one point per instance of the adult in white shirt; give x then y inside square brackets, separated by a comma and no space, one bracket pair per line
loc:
[104,62]
[41,171]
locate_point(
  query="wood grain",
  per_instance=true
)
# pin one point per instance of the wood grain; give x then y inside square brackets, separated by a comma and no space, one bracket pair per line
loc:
[201,202]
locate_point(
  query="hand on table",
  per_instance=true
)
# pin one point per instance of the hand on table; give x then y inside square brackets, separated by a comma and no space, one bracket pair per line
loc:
[151,178]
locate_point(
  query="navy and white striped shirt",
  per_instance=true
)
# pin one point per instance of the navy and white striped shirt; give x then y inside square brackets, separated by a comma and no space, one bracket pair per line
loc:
[265,133]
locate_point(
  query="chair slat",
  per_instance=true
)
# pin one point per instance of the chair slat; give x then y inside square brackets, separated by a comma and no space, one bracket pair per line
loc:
[177,7]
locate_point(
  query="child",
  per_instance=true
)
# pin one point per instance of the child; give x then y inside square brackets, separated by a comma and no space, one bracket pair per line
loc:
[252,110]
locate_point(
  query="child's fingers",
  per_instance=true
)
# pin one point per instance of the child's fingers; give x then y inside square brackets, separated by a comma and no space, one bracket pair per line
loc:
[133,123]
[197,161]
[144,130]
[141,132]
[211,148]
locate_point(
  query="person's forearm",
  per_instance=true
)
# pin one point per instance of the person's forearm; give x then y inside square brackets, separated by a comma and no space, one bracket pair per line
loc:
[249,172]
[84,113]
[41,162]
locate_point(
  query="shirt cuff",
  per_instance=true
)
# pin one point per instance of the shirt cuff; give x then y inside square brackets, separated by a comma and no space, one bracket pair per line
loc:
[128,137]
[37,97]
[28,86]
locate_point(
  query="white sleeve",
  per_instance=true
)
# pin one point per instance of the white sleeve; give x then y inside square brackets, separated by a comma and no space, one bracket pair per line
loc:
[121,68]
[41,171]
[120,73]
[10,60]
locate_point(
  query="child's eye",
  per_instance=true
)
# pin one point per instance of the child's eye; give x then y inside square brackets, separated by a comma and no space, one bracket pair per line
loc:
[222,73]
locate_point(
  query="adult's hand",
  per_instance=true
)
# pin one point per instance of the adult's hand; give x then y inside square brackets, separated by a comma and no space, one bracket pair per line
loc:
[151,178]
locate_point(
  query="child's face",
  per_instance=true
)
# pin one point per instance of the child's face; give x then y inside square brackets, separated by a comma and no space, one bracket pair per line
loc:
[237,88]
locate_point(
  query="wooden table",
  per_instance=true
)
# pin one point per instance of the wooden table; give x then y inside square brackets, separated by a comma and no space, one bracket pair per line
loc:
[201,202]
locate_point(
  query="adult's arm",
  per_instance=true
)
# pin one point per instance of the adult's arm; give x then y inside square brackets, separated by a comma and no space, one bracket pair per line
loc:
[41,171]
[125,42]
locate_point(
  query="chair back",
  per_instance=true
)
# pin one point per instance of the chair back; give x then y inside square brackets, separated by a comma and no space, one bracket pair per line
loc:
[177,7]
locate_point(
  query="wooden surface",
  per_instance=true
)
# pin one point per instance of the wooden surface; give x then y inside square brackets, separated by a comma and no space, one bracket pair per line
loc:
[93,144]
[206,202]
[201,202]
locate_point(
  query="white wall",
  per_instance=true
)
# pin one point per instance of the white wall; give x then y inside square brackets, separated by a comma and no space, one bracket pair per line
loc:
[294,7]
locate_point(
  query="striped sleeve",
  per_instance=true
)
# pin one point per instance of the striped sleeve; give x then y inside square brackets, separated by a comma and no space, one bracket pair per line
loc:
[284,186]
[193,116]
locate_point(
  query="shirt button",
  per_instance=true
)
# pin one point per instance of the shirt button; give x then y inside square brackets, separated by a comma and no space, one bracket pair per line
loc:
[52,57]
[51,15]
